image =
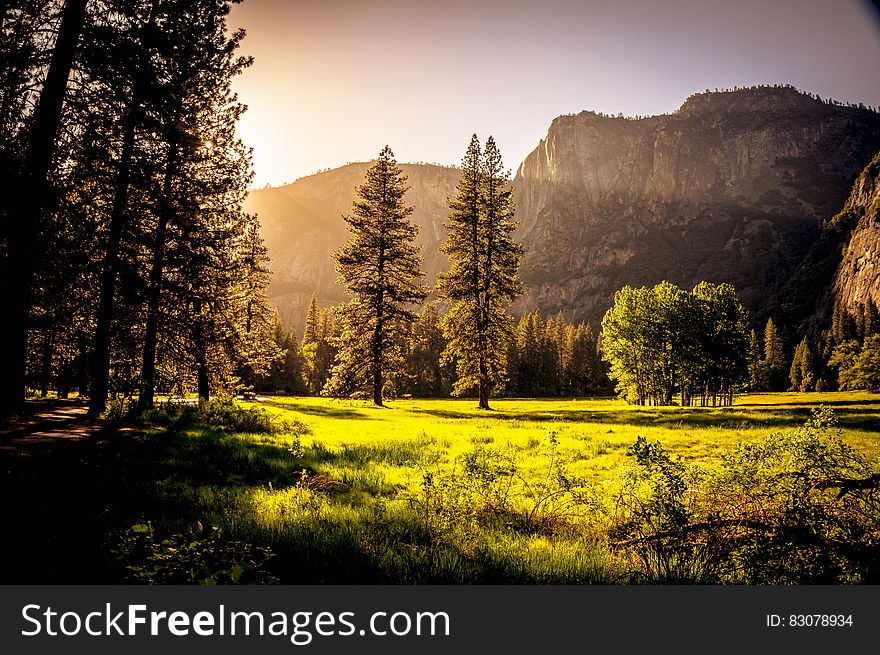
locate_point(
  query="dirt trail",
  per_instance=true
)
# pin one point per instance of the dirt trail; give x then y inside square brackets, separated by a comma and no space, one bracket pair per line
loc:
[48,424]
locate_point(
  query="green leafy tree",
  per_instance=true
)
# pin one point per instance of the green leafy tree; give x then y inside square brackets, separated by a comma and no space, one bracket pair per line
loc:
[723,345]
[483,276]
[664,339]
[380,265]
[858,365]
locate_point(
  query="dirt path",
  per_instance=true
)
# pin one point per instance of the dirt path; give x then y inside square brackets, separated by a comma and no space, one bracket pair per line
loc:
[49,424]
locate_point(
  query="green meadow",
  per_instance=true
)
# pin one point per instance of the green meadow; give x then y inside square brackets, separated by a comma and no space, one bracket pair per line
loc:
[313,490]
[593,435]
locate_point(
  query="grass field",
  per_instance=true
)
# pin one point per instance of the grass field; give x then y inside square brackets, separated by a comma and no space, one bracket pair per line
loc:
[593,435]
[423,491]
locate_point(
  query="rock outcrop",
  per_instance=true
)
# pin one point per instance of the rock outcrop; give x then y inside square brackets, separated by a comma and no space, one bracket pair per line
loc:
[857,278]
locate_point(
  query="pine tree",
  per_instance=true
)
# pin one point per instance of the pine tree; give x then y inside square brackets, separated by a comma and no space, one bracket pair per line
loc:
[310,333]
[869,319]
[318,345]
[286,372]
[24,214]
[801,373]
[428,377]
[774,357]
[529,374]
[206,255]
[859,318]
[838,324]
[483,275]
[580,364]
[380,265]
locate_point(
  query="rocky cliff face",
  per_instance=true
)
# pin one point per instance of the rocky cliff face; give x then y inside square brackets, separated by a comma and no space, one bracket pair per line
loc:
[733,187]
[302,225]
[730,188]
[857,278]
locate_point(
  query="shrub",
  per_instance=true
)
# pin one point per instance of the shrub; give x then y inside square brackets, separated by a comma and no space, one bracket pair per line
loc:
[487,489]
[220,414]
[797,507]
[200,556]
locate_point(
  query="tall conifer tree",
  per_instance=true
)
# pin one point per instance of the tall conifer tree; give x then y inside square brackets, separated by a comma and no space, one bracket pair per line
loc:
[483,275]
[380,265]
[774,357]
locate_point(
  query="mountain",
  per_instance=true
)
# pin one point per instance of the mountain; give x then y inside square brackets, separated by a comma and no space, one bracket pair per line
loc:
[732,187]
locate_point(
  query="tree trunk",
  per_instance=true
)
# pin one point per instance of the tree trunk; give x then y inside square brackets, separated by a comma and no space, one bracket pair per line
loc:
[202,377]
[377,338]
[377,386]
[484,385]
[203,381]
[63,377]
[27,209]
[151,337]
[46,366]
[100,381]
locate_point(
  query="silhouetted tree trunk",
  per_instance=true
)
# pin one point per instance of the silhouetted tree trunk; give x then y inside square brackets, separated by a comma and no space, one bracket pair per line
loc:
[202,378]
[154,292]
[29,203]
[483,385]
[100,378]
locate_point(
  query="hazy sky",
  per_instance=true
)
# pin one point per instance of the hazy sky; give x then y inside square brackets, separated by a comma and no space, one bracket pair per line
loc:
[335,80]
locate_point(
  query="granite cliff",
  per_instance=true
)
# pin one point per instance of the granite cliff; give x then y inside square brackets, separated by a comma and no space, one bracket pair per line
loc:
[733,187]
[857,278]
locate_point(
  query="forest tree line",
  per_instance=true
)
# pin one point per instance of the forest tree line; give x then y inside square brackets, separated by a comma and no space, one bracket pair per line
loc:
[546,358]
[554,357]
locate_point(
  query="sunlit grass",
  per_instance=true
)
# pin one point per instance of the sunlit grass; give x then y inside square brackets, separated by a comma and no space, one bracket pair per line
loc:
[593,435]
[336,489]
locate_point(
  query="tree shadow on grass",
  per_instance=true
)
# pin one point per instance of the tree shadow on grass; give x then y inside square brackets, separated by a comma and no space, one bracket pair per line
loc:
[321,410]
[70,510]
[737,417]
[829,403]
[71,504]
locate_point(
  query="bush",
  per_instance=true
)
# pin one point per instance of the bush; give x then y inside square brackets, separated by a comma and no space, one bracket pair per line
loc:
[798,507]
[486,489]
[200,556]
[221,414]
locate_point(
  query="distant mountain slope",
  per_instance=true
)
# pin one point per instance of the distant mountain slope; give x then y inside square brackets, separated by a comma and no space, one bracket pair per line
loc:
[302,225]
[732,187]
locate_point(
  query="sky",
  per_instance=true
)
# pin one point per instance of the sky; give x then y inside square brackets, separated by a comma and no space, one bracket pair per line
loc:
[333,81]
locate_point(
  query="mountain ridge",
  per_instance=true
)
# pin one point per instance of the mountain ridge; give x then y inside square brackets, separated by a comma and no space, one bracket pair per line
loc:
[731,187]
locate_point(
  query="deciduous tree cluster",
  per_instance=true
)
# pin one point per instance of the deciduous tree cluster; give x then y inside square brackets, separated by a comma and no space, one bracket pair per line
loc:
[664,341]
